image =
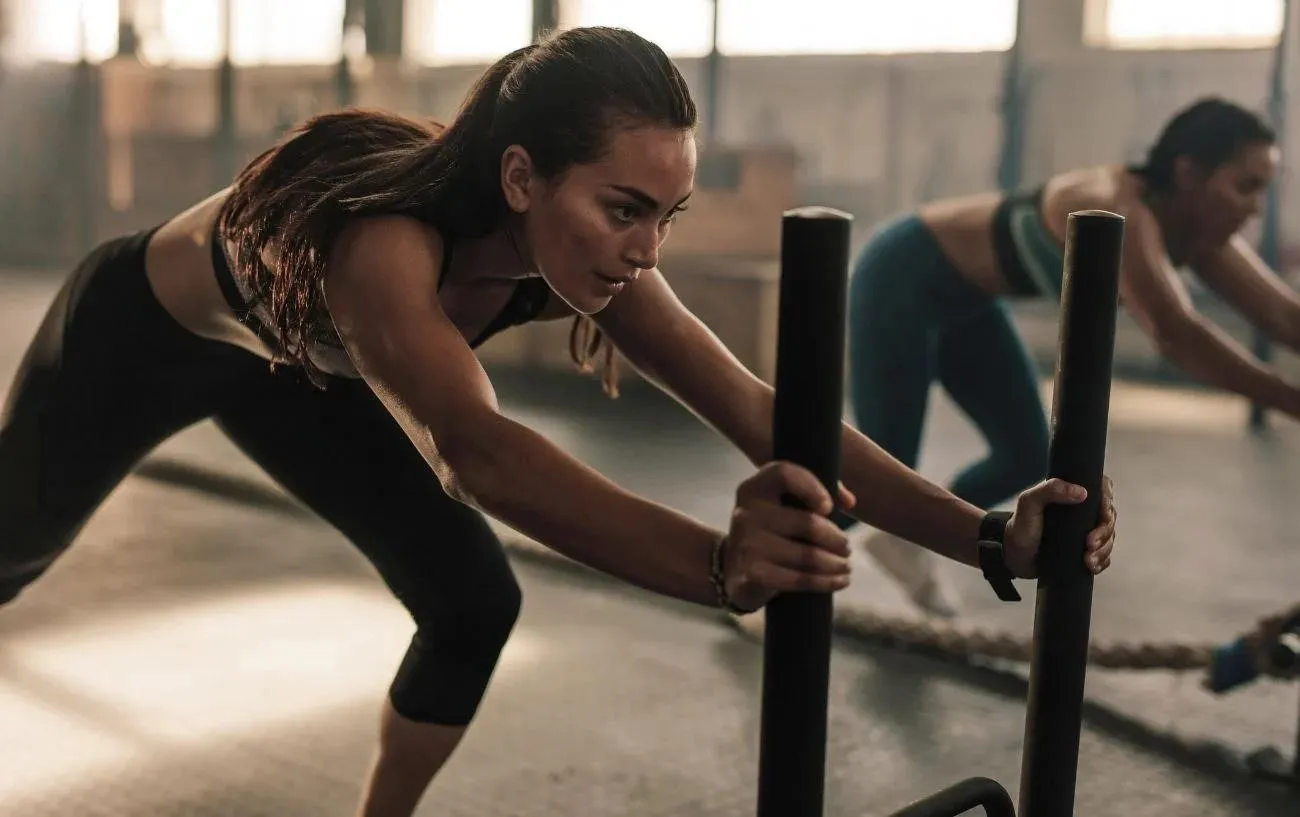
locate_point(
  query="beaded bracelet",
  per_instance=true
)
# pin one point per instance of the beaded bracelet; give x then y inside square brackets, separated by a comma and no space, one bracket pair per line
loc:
[718,578]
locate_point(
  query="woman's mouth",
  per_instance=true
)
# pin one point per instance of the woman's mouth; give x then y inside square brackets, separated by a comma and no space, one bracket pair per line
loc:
[616,283]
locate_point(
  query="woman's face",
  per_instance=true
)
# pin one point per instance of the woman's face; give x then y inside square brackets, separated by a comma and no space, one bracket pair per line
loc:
[597,226]
[1223,201]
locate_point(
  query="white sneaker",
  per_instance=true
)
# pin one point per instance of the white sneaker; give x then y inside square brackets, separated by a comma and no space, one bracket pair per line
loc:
[912,567]
[752,625]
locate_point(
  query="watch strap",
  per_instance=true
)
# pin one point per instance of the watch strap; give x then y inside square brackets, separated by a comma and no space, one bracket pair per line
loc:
[992,555]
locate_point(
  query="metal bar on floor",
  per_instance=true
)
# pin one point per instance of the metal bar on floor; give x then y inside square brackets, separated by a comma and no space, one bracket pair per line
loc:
[959,798]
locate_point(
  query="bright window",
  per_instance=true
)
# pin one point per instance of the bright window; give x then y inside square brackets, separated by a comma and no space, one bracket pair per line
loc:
[682,28]
[444,32]
[182,32]
[187,32]
[1173,24]
[300,32]
[51,30]
[865,26]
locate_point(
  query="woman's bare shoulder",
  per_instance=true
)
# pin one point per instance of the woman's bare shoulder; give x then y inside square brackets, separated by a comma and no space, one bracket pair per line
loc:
[387,241]
[1111,188]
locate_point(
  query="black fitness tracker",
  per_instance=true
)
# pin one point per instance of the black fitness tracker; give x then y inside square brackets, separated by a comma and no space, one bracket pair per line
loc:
[992,555]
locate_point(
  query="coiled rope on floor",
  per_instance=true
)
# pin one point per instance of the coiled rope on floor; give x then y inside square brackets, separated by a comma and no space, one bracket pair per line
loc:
[865,624]
[952,638]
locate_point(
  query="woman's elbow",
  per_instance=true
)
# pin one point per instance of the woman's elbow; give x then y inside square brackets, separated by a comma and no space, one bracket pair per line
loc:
[1169,334]
[470,466]
[458,483]
[1283,326]
[1168,343]
[462,472]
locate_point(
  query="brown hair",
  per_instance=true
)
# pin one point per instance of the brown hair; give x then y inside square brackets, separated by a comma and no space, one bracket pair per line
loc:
[557,99]
[1212,131]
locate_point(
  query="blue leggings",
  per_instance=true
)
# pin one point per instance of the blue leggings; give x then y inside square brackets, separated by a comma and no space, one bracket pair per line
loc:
[913,319]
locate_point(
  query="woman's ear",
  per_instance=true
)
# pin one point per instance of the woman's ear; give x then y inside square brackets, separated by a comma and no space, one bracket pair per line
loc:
[518,181]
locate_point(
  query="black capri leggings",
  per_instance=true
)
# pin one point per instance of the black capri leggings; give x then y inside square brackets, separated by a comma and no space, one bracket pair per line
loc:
[111,374]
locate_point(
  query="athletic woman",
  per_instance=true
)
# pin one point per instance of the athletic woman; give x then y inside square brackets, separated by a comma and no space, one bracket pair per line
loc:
[930,293]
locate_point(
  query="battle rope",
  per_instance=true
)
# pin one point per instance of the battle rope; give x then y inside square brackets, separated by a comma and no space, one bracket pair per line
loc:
[1228,665]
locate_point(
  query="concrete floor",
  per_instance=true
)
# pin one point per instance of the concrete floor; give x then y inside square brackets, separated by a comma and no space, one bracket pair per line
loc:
[196,654]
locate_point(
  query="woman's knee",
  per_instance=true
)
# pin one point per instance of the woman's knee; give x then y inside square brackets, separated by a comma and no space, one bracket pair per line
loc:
[27,551]
[12,584]
[1022,465]
[1029,458]
[454,652]
[1024,473]
[1009,468]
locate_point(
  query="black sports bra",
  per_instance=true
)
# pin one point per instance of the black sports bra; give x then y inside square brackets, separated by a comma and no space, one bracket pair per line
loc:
[1029,255]
[325,348]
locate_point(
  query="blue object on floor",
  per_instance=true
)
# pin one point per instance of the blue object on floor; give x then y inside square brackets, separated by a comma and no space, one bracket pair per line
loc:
[1231,667]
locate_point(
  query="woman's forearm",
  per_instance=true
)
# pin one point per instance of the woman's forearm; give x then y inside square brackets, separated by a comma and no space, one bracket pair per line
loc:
[522,479]
[890,496]
[1210,355]
[896,499]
